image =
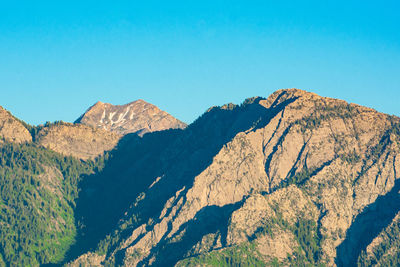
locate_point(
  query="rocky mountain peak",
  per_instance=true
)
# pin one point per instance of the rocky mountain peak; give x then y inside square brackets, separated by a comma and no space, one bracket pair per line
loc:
[246,182]
[293,179]
[12,129]
[135,117]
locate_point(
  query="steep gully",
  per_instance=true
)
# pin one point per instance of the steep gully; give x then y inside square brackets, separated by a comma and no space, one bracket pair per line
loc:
[367,225]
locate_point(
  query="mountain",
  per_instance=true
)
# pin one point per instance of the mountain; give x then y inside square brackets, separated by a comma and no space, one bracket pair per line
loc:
[101,127]
[41,169]
[11,129]
[136,117]
[294,179]
[77,140]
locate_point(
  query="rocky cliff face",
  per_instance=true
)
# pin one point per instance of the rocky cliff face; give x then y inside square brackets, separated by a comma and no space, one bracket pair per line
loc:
[292,179]
[136,117]
[77,140]
[11,129]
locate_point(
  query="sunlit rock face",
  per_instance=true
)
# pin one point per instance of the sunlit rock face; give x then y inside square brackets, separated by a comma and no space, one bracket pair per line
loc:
[11,129]
[136,117]
[315,177]
[77,140]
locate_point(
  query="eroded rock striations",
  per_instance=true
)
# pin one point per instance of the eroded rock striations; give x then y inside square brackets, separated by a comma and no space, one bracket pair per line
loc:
[294,179]
[136,117]
[283,180]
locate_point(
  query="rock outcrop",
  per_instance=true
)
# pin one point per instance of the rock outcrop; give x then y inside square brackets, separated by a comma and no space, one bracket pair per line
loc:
[11,129]
[136,117]
[294,171]
[77,140]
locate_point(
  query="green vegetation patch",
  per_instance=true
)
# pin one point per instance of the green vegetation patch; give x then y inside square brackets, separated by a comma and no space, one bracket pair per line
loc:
[38,188]
[242,255]
[387,253]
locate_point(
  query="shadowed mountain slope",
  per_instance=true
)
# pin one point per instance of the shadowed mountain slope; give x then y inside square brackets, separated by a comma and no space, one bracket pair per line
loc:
[39,187]
[276,180]
[293,179]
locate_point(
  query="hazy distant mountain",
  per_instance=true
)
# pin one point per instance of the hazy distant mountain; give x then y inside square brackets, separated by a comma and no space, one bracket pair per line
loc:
[136,117]
[294,179]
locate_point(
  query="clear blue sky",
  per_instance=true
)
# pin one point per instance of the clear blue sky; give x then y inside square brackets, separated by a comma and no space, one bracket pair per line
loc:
[59,57]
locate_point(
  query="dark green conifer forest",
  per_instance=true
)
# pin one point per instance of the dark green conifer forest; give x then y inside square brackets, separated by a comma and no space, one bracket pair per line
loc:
[36,210]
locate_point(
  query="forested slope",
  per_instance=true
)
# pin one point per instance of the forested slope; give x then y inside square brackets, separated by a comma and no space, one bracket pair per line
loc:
[38,189]
[292,179]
